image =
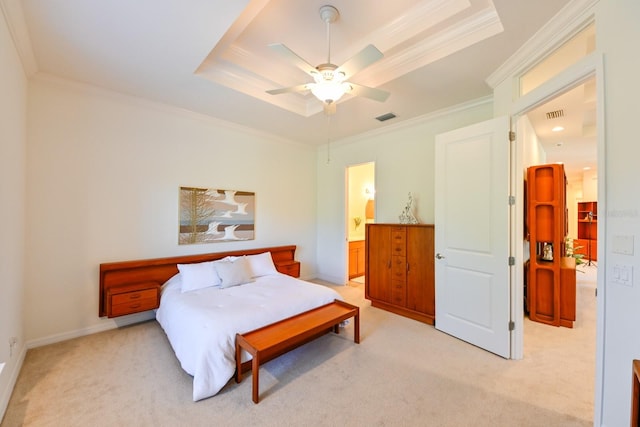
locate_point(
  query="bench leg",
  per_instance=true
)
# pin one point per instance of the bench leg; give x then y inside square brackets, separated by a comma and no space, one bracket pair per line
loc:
[356,328]
[255,367]
[238,363]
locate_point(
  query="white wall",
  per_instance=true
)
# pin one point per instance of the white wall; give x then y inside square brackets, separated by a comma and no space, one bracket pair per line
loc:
[13,117]
[533,153]
[574,195]
[617,24]
[404,159]
[103,179]
[590,186]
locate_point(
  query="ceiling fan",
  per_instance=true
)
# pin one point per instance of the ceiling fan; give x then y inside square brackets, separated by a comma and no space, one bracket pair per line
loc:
[330,80]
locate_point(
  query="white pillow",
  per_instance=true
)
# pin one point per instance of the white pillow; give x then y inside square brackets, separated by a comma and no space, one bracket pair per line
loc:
[233,273]
[198,275]
[261,264]
[174,282]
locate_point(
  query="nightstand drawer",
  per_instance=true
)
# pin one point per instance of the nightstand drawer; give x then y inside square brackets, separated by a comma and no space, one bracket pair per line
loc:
[134,298]
[130,297]
[133,306]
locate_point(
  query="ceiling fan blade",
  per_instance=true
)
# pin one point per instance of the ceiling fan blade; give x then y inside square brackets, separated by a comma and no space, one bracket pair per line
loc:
[368,92]
[293,57]
[359,61]
[299,88]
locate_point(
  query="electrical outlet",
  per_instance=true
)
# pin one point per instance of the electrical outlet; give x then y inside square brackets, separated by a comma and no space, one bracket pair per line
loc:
[12,343]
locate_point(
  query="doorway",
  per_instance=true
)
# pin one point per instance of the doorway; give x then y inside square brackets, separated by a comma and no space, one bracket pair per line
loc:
[563,129]
[360,211]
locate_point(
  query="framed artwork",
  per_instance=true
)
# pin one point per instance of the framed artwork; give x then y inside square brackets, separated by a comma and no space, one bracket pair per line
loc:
[209,215]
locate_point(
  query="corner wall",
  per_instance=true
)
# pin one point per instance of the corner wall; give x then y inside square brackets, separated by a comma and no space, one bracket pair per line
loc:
[104,172]
[404,159]
[13,117]
[617,24]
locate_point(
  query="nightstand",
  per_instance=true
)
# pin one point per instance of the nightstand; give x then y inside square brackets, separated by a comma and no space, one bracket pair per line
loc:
[292,268]
[128,299]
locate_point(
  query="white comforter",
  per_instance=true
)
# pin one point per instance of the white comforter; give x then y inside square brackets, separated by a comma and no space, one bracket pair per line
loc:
[201,325]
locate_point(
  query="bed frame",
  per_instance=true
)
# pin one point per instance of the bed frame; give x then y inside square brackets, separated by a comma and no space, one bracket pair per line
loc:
[120,275]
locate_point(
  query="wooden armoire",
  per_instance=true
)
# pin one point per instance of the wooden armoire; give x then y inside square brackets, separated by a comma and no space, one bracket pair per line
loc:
[400,274]
[551,276]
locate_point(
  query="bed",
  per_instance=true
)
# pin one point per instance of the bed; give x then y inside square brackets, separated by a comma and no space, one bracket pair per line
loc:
[201,319]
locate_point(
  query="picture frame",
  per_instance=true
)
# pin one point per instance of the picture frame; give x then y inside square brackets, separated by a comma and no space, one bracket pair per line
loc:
[209,215]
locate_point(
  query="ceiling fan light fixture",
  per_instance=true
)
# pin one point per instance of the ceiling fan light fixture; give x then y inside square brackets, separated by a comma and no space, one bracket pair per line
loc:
[329,90]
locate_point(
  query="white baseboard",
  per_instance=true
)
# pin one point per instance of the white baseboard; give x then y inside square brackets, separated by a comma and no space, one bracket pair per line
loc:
[331,279]
[5,394]
[112,324]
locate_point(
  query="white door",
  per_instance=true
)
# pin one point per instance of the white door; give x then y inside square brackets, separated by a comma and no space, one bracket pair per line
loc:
[472,235]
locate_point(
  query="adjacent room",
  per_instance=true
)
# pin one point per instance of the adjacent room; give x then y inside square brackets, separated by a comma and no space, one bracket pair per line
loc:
[277,212]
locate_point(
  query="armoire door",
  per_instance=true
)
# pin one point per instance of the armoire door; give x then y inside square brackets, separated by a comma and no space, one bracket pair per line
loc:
[378,262]
[420,274]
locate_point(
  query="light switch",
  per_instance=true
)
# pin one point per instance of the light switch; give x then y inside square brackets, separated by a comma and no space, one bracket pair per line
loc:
[622,274]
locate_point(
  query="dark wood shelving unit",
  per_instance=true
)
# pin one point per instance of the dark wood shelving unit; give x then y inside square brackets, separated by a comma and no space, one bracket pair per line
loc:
[587,241]
[551,275]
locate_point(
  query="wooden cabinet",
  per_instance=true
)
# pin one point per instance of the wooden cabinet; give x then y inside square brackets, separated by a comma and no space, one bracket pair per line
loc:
[356,259]
[551,289]
[134,298]
[400,273]
[587,241]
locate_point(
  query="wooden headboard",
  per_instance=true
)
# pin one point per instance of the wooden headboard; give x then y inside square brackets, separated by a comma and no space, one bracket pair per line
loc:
[159,270]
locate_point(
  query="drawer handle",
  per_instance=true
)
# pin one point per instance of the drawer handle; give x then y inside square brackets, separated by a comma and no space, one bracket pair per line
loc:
[135,305]
[134,296]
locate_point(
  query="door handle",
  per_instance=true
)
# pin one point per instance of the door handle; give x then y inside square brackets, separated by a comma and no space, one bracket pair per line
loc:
[439,256]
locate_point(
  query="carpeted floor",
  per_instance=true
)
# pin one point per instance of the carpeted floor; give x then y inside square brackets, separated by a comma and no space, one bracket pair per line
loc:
[403,373]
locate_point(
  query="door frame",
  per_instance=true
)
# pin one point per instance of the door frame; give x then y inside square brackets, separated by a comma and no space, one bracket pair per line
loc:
[590,66]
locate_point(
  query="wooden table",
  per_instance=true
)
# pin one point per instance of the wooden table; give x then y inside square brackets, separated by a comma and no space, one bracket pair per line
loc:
[278,338]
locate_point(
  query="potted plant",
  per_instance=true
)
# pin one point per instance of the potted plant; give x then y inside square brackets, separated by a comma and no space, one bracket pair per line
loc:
[571,252]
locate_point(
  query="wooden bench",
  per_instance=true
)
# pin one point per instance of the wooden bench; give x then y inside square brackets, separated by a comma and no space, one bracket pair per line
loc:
[278,338]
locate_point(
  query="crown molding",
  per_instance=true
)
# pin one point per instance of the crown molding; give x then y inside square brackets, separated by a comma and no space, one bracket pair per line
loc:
[14,17]
[565,24]
[480,26]
[416,121]
[137,101]
[416,20]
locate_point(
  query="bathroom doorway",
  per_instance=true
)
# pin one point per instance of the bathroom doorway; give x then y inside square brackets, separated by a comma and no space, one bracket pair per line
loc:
[360,211]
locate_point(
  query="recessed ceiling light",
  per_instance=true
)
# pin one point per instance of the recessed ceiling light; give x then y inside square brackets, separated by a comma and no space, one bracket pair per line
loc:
[557,129]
